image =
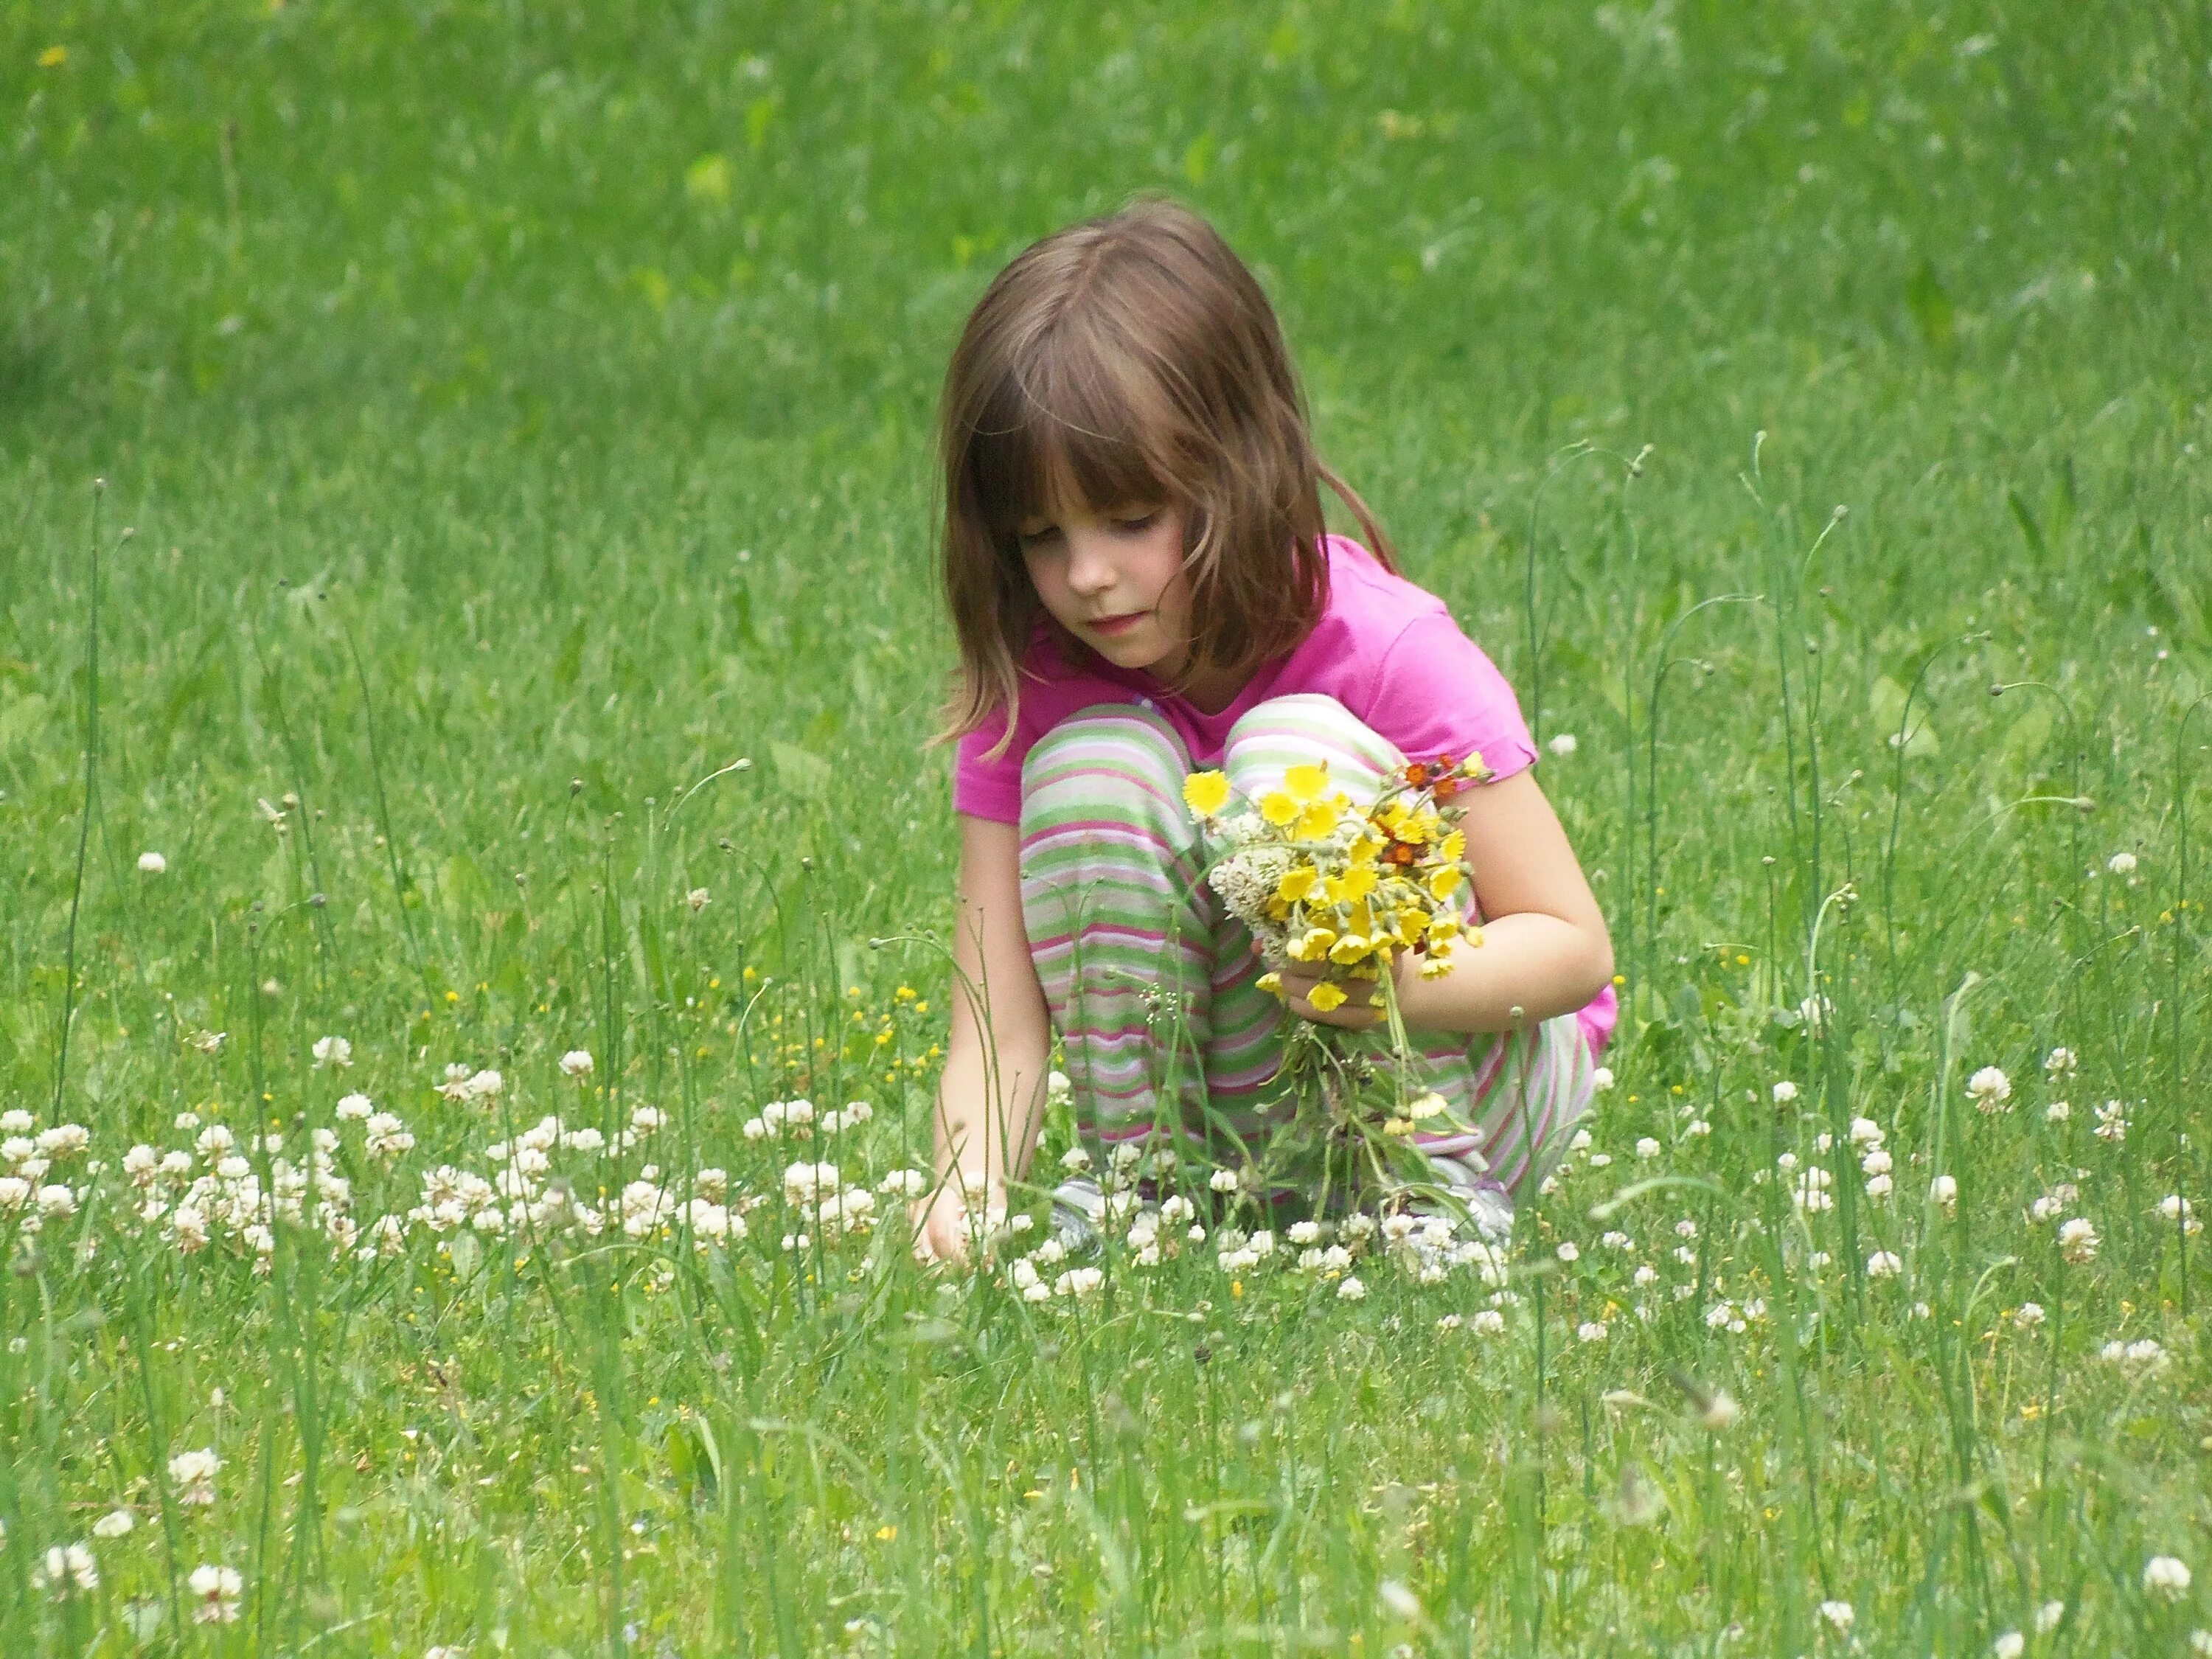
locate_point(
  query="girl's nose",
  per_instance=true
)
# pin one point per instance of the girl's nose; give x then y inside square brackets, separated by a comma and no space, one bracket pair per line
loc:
[1090,570]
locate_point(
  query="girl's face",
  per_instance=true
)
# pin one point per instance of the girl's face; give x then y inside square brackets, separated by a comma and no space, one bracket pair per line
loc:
[1115,580]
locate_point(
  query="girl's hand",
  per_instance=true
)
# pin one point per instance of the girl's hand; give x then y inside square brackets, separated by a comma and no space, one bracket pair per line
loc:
[1362,1007]
[944,1223]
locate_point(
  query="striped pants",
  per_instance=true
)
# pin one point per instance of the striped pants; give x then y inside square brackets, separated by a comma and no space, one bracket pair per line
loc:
[1153,983]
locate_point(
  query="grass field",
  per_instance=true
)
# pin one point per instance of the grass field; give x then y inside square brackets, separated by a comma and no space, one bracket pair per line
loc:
[512,416]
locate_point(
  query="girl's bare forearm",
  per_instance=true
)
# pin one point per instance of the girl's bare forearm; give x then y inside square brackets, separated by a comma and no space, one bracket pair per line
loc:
[986,1114]
[1529,967]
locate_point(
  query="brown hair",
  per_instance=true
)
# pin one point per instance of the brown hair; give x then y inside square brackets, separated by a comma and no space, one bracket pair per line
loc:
[1133,357]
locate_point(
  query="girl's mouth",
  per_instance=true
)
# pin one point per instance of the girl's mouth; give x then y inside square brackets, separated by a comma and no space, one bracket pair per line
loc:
[1112,625]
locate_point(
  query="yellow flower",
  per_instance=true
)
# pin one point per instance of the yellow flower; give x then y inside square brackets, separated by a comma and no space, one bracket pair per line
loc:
[1270,982]
[1366,849]
[1296,883]
[1443,881]
[1444,929]
[1325,996]
[1413,922]
[1435,967]
[1453,847]
[1400,1127]
[1315,822]
[1307,781]
[1352,947]
[53,57]
[1277,807]
[1205,793]
[1313,947]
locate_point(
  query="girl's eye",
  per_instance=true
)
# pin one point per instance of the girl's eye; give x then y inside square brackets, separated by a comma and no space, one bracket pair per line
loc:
[1136,525]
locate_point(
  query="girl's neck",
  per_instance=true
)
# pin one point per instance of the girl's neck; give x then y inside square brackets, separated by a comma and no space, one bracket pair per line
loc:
[1210,696]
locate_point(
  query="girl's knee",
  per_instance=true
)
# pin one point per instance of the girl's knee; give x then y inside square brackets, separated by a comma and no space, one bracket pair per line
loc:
[1304,725]
[1111,760]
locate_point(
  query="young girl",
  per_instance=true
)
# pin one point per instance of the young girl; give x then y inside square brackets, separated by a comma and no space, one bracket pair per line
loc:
[1142,584]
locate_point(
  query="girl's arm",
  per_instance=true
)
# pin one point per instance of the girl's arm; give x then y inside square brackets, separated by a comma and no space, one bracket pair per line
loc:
[1545,948]
[997,1055]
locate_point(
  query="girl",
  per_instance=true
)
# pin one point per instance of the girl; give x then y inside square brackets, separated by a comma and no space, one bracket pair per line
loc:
[1141,585]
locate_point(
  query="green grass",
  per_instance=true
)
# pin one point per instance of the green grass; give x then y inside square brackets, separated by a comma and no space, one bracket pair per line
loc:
[521,413]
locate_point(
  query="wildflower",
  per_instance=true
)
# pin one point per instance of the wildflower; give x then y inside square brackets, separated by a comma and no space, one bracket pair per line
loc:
[1877,1163]
[152,864]
[1697,1127]
[1719,1412]
[1489,1321]
[1077,1281]
[1591,1330]
[1944,1190]
[116,1523]
[2047,1617]
[1351,1290]
[207,1041]
[577,1062]
[1205,793]
[66,1568]
[353,1109]
[1222,1180]
[1865,1131]
[1838,1615]
[1647,1147]
[2077,1240]
[1569,1250]
[2121,864]
[1601,1079]
[2011,1645]
[1784,1092]
[2111,1123]
[2166,1576]
[1989,1089]
[332,1051]
[2058,1112]
[1884,1264]
[214,1593]
[385,1136]
[194,1472]
[2027,1316]
[2140,1358]
[1563,744]
[2060,1062]
[2174,1207]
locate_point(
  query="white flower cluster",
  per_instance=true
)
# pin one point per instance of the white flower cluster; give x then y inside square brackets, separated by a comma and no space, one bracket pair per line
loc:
[797,1119]
[1991,1090]
[1874,1156]
[27,1197]
[2139,1359]
[227,1203]
[466,1085]
[827,1208]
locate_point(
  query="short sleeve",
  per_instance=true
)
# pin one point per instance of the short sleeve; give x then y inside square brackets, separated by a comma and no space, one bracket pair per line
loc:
[1437,692]
[988,788]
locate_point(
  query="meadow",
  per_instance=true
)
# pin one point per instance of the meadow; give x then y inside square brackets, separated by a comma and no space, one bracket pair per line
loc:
[462,778]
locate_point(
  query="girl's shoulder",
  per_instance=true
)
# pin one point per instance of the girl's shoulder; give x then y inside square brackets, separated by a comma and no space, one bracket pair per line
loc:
[1370,607]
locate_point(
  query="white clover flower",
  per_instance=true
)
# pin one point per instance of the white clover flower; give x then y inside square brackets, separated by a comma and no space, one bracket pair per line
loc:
[2027,1316]
[353,1109]
[1865,1131]
[2047,1617]
[1591,1330]
[1569,1250]
[1944,1189]
[1601,1079]
[332,1051]
[1075,1160]
[63,1140]
[1077,1281]
[214,1593]
[1648,1148]
[116,1523]
[2011,1645]
[1884,1264]
[1697,1127]
[194,1474]
[1562,744]
[1304,1232]
[1647,1274]
[2121,864]
[1719,1412]
[2058,1112]
[1989,1089]
[2111,1123]
[66,1568]
[1838,1615]
[2165,1576]
[2174,1207]
[2077,1240]
[698,898]
[1223,1181]
[1351,1290]
[1488,1323]
[577,1062]
[1877,1163]
[152,864]
[1784,1092]
[2060,1062]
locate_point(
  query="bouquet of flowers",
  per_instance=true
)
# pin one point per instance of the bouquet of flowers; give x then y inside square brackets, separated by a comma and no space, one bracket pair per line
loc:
[1317,879]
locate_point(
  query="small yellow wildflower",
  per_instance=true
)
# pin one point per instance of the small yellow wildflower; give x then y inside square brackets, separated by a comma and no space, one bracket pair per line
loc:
[1205,793]
[1296,884]
[1325,996]
[1277,807]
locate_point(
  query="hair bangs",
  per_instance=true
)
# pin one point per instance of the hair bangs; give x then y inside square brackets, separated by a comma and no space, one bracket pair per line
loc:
[1071,421]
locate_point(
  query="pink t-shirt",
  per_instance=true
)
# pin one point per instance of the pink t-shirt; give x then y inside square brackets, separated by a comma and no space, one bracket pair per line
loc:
[1386,649]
